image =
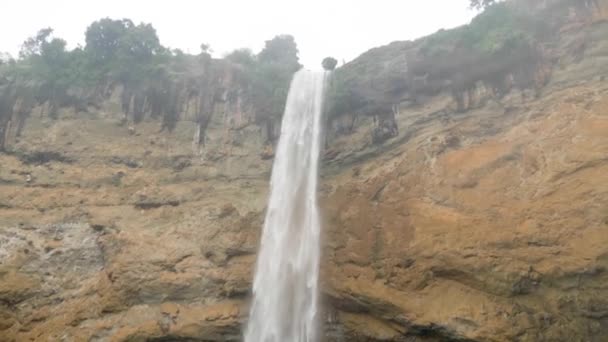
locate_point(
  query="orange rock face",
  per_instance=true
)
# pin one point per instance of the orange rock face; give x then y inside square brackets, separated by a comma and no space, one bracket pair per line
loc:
[500,237]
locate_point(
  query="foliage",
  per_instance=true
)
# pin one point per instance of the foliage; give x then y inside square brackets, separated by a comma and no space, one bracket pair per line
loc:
[5,58]
[103,39]
[480,4]
[281,51]
[33,45]
[154,80]
[502,48]
[272,75]
[122,50]
[497,29]
[329,63]
[341,98]
[242,57]
[266,78]
[205,48]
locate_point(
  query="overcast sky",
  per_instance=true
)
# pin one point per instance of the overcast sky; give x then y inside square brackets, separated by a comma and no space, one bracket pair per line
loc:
[340,28]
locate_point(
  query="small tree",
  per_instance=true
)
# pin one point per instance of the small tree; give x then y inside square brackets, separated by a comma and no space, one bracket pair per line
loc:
[242,57]
[5,57]
[33,45]
[481,4]
[329,63]
[103,39]
[206,48]
[276,64]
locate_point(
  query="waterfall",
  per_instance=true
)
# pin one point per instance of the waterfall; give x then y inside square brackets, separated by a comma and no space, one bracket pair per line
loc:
[285,295]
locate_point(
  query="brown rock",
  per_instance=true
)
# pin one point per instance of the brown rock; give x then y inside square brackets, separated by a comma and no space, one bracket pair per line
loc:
[267,153]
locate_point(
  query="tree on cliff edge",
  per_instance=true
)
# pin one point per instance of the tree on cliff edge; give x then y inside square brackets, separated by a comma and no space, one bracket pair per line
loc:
[329,63]
[276,64]
[121,48]
[481,4]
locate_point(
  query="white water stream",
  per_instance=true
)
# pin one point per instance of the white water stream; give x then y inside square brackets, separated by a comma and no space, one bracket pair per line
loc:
[285,294]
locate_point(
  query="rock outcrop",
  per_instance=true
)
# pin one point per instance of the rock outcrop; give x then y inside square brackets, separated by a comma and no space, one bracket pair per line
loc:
[489,225]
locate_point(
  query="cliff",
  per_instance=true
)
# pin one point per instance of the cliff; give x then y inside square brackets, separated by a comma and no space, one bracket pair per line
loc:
[488,224]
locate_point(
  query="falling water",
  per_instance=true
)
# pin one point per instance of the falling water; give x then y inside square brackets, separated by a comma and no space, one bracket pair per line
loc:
[284,306]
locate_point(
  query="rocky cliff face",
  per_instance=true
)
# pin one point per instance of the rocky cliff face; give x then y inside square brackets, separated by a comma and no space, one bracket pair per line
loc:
[489,225]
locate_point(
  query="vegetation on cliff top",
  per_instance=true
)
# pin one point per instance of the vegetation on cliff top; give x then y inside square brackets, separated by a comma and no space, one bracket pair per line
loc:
[504,47]
[155,80]
[507,46]
[481,3]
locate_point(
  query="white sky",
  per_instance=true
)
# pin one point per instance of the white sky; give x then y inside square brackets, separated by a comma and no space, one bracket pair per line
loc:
[340,28]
